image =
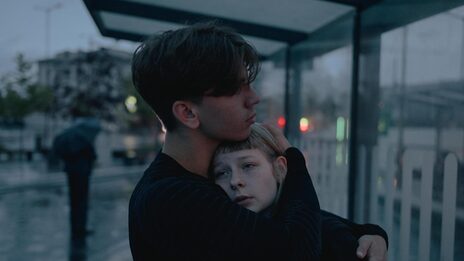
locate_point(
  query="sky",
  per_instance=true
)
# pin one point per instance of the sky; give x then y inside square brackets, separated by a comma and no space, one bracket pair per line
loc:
[23,30]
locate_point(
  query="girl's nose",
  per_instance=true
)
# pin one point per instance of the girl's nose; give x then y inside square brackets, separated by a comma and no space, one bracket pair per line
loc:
[236,182]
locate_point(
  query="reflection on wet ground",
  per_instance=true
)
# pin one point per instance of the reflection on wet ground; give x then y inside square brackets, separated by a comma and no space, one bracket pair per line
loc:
[35,221]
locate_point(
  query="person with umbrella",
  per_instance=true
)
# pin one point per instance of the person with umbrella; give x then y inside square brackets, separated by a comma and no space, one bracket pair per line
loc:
[75,146]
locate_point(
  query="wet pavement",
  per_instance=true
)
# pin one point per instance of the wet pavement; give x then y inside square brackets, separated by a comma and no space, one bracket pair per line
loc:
[34,214]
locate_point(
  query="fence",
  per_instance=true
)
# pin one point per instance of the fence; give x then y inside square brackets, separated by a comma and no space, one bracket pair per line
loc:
[328,166]
[413,188]
[413,195]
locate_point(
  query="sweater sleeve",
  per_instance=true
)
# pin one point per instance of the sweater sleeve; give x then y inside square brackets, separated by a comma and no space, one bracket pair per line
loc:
[340,236]
[298,189]
[197,221]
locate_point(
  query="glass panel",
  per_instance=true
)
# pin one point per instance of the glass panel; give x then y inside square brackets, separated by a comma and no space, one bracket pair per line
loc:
[270,85]
[411,129]
[320,94]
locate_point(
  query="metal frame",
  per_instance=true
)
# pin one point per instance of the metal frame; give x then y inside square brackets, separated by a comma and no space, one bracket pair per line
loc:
[165,14]
[352,166]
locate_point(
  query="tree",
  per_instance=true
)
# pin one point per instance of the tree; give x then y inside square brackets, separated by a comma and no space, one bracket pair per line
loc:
[20,95]
[88,83]
[14,106]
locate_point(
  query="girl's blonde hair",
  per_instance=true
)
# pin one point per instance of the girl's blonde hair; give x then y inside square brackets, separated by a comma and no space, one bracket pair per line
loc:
[260,138]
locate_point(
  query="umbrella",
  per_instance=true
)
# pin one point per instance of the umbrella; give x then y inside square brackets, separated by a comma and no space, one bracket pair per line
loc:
[77,138]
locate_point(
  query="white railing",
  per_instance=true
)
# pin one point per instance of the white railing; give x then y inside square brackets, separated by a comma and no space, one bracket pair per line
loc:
[415,193]
[382,198]
[425,160]
[327,165]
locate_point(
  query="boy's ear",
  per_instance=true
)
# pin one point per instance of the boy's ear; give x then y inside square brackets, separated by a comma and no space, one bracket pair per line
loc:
[186,114]
[280,166]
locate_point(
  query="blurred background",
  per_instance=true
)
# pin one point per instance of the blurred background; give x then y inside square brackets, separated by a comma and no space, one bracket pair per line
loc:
[371,91]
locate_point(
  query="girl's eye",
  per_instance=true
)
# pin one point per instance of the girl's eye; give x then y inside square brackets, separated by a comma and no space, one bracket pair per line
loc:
[248,166]
[220,173]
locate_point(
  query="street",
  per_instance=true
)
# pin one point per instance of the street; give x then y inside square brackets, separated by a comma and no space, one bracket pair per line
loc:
[34,215]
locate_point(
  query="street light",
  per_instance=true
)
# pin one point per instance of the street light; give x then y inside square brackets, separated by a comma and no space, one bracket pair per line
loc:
[131,104]
[47,10]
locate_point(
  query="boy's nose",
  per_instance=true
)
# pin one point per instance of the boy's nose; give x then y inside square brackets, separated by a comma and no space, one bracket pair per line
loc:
[253,99]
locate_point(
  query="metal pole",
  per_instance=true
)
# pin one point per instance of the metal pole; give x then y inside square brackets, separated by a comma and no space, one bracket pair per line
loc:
[47,10]
[287,89]
[352,175]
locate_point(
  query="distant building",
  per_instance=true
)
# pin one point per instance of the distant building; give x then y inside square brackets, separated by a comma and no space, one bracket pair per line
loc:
[91,83]
[86,83]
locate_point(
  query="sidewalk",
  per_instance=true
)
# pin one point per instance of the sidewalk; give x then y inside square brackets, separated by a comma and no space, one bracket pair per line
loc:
[17,182]
[34,215]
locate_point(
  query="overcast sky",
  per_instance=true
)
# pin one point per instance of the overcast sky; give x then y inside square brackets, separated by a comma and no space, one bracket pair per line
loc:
[23,30]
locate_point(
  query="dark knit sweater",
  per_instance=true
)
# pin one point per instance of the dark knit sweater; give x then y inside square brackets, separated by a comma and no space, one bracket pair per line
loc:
[340,237]
[177,215]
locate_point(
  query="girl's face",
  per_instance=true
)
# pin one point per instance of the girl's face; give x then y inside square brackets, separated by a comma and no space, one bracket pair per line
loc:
[247,177]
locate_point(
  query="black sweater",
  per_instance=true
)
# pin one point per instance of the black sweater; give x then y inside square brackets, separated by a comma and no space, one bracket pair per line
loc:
[177,215]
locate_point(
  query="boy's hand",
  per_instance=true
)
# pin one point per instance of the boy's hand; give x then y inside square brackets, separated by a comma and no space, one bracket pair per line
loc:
[372,248]
[279,136]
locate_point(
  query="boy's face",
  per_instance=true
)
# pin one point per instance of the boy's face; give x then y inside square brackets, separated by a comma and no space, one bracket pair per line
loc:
[229,117]
[247,177]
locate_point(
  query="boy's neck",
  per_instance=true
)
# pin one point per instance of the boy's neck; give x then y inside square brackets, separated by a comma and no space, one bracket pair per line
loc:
[191,150]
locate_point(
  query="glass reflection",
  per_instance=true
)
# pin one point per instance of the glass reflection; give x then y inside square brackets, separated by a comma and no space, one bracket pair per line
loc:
[411,80]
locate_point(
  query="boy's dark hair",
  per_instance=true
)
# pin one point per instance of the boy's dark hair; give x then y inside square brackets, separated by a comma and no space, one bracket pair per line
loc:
[186,64]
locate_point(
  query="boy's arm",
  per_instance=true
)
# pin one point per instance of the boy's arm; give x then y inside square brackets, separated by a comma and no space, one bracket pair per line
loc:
[345,240]
[340,236]
[298,184]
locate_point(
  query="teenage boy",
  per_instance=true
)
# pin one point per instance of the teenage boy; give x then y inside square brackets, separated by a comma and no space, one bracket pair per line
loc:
[197,81]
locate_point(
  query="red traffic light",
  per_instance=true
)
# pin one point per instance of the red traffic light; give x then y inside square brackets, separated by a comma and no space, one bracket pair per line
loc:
[281,122]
